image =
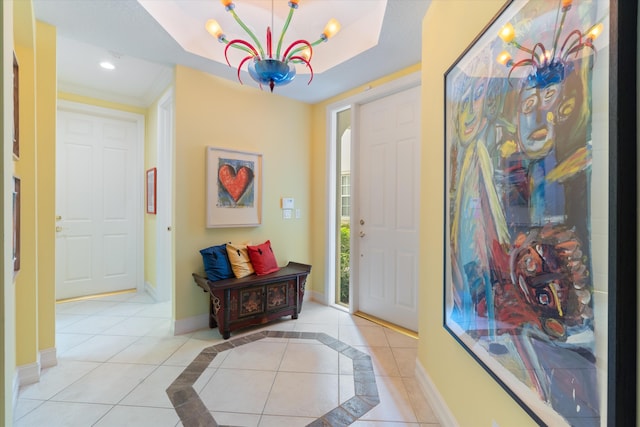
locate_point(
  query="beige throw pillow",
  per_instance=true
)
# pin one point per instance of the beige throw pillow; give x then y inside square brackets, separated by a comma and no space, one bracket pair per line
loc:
[239,259]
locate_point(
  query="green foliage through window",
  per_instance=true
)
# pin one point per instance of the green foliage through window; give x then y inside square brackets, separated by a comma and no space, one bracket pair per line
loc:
[344,263]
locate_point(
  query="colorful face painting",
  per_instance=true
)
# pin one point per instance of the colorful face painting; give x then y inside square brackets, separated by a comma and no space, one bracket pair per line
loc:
[235,183]
[519,271]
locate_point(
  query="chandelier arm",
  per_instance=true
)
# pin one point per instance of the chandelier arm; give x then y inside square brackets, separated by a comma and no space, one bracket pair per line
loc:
[519,46]
[519,64]
[284,30]
[305,62]
[240,66]
[578,48]
[289,52]
[577,41]
[248,31]
[555,40]
[233,43]
[544,53]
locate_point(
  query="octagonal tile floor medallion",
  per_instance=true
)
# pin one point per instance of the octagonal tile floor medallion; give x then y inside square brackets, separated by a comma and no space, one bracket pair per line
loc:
[193,412]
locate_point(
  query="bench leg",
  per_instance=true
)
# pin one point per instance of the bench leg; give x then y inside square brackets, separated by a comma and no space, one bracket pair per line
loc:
[213,322]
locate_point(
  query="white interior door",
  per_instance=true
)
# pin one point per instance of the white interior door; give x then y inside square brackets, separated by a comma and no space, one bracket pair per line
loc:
[98,194]
[388,207]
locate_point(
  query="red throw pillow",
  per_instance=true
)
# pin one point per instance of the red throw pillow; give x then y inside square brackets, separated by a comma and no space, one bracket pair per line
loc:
[262,258]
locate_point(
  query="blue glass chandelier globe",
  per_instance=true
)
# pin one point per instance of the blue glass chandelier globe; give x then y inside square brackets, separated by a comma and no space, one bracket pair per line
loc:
[271,72]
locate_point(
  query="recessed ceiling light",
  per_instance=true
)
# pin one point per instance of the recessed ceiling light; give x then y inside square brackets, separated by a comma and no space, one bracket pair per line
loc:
[107,65]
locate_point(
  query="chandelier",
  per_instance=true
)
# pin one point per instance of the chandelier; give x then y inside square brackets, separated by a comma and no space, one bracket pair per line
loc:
[549,66]
[267,69]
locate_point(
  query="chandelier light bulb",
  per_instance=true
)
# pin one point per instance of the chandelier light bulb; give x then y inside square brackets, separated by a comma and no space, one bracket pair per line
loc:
[214,28]
[331,29]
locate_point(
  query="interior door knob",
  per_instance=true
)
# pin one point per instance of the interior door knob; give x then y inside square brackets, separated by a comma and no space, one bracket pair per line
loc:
[58,229]
[362,234]
[362,222]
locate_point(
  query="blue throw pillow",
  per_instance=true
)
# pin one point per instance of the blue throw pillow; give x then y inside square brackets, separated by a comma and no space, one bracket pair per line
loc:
[216,263]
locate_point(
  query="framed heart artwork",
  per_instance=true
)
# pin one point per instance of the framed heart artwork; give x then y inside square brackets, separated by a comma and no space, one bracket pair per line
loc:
[234,188]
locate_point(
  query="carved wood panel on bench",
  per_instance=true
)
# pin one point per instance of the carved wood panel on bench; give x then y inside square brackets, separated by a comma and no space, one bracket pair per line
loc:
[253,300]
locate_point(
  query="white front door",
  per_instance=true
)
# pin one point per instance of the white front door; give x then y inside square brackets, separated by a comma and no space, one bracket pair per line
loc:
[388,208]
[98,196]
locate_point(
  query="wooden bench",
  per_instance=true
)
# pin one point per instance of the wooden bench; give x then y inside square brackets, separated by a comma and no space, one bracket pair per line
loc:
[253,300]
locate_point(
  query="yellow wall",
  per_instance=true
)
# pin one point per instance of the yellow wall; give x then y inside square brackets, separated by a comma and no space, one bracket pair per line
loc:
[459,379]
[46,153]
[25,169]
[214,112]
[35,284]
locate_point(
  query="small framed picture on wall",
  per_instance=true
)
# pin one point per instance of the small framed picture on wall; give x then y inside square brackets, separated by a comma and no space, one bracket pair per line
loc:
[151,191]
[16,112]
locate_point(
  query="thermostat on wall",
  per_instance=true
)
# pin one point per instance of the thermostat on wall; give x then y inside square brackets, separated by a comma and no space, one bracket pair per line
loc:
[287,203]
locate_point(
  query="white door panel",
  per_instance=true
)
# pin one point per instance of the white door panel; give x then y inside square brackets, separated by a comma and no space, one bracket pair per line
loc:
[97,189]
[389,155]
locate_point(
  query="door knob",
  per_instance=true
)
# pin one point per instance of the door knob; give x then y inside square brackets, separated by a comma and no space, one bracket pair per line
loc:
[362,234]
[362,222]
[58,229]
[58,217]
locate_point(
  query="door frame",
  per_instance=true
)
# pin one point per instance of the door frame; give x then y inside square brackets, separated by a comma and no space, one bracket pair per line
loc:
[137,184]
[164,220]
[354,102]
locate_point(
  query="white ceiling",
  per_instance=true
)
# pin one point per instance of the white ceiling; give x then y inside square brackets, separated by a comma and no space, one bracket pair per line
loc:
[124,32]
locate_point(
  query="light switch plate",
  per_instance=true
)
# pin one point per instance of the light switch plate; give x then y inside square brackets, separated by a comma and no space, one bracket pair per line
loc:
[287,203]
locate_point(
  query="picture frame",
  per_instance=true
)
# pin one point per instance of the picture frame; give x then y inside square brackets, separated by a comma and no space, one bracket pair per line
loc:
[151,190]
[539,240]
[233,188]
[16,224]
[16,107]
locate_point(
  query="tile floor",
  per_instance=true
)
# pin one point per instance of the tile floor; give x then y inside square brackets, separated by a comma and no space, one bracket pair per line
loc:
[117,357]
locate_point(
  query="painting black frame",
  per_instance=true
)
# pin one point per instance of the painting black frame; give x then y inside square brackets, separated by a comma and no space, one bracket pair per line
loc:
[622,226]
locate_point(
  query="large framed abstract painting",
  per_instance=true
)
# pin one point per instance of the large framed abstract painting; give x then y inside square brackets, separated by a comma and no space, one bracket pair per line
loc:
[540,190]
[234,188]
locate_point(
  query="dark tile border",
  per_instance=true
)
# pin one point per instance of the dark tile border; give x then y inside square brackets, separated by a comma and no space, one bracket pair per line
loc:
[194,413]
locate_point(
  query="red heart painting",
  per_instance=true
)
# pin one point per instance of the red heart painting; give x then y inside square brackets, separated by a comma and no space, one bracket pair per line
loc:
[235,182]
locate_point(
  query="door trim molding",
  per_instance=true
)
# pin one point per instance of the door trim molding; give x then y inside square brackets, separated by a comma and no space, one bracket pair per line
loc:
[138,119]
[164,237]
[353,102]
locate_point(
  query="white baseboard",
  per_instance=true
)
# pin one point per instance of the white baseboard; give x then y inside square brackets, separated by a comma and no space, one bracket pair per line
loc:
[28,374]
[191,324]
[439,406]
[151,291]
[48,358]
[314,296]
